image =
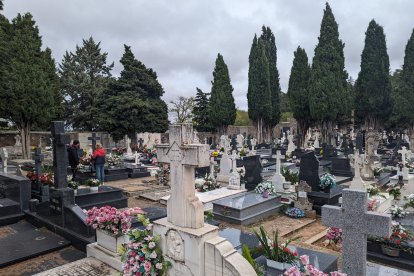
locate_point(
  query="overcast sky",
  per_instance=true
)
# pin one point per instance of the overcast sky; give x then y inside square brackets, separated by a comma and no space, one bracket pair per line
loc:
[180,39]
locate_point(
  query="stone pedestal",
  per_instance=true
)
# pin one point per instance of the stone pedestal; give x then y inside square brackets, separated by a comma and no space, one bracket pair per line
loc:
[223,179]
[104,255]
[199,252]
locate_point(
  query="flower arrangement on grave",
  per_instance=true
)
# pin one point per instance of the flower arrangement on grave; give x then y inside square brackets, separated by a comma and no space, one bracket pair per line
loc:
[118,150]
[207,184]
[395,192]
[265,187]
[86,159]
[93,183]
[292,177]
[306,269]
[113,160]
[398,212]
[327,181]
[333,236]
[143,256]
[46,179]
[410,201]
[163,176]
[150,153]
[242,172]
[215,154]
[294,212]
[272,249]
[398,240]
[243,152]
[73,184]
[374,191]
[111,220]
[373,204]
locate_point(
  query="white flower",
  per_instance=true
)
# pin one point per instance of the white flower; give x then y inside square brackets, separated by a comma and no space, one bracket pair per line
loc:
[153,255]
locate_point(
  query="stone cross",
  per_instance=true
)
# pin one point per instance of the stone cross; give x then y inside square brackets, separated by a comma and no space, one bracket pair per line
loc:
[38,158]
[60,154]
[234,161]
[184,209]
[253,141]
[128,145]
[233,143]
[94,138]
[279,157]
[357,182]
[18,139]
[278,179]
[404,152]
[136,158]
[356,224]
[4,156]
[316,142]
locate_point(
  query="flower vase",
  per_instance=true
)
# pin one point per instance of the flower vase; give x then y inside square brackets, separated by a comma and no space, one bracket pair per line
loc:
[110,242]
[389,251]
[265,194]
[94,189]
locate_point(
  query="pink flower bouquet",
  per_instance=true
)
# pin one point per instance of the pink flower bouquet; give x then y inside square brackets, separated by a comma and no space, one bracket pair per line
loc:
[309,270]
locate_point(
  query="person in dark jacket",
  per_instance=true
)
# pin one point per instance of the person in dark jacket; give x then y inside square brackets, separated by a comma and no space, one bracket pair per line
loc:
[73,157]
[99,161]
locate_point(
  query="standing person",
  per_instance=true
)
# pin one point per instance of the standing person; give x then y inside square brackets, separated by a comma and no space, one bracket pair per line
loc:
[73,157]
[99,161]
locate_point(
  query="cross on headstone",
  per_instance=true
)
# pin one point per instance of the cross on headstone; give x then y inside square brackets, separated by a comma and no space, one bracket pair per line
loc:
[4,156]
[278,179]
[60,154]
[184,208]
[404,152]
[94,138]
[357,182]
[38,158]
[233,158]
[356,224]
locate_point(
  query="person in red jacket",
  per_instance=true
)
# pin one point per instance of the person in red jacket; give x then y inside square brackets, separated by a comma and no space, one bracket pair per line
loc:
[99,161]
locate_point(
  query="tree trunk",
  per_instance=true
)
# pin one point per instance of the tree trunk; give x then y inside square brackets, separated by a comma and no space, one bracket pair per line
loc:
[372,123]
[326,127]
[302,129]
[411,135]
[25,133]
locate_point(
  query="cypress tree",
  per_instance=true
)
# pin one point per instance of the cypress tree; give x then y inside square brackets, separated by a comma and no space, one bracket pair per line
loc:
[201,112]
[271,55]
[29,94]
[84,75]
[298,92]
[258,93]
[222,108]
[373,86]
[327,85]
[133,103]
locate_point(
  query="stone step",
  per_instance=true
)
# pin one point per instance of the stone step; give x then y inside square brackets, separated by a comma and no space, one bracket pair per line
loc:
[9,207]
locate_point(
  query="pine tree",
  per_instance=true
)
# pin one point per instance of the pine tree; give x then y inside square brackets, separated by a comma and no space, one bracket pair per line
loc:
[201,112]
[373,86]
[271,55]
[84,75]
[403,86]
[258,93]
[327,85]
[298,92]
[133,103]
[1,5]
[222,108]
[29,94]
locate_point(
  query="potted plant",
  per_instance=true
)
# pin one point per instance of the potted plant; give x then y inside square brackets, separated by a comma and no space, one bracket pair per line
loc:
[111,225]
[395,193]
[333,237]
[265,188]
[279,256]
[143,255]
[391,246]
[73,185]
[93,184]
[327,182]
[398,212]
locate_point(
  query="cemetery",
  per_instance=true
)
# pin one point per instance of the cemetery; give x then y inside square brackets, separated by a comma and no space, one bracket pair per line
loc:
[100,175]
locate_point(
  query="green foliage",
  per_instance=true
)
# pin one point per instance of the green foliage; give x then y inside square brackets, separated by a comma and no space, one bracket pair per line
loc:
[403,89]
[242,118]
[292,177]
[298,92]
[222,108]
[248,256]
[373,86]
[29,93]
[328,95]
[133,102]
[284,103]
[268,39]
[84,76]
[285,116]
[201,112]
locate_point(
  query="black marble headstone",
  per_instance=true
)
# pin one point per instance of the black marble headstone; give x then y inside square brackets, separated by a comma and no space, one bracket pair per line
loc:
[341,166]
[309,170]
[253,168]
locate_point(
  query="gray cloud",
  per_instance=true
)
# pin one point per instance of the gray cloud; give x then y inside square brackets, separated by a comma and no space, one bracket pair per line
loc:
[180,39]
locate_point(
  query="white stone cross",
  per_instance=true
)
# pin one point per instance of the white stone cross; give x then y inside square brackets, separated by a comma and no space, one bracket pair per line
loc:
[316,142]
[404,154]
[137,155]
[233,158]
[357,182]
[184,209]
[253,141]
[356,224]
[128,145]
[4,156]
[279,157]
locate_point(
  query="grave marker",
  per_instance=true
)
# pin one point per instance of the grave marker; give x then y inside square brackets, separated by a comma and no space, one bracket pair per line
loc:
[404,155]
[356,224]
[38,157]
[4,157]
[60,155]
[94,138]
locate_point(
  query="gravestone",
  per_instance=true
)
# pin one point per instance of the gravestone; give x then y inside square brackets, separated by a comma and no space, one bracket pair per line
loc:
[192,247]
[4,157]
[254,169]
[341,166]
[39,191]
[405,154]
[225,167]
[240,141]
[278,179]
[309,170]
[233,143]
[94,138]
[316,142]
[302,201]
[234,179]
[357,182]
[356,224]
[291,145]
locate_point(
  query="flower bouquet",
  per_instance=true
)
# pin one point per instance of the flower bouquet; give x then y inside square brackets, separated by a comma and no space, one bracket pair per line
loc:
[85,160]
[143,256]
[373,204]
[265,186]
[113,160]
[398,212]
[327,182]
[294,212]
[333,236]
[207,184]
[93,183]
[215,154]
[306,269]
[410,201]
[397,241]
